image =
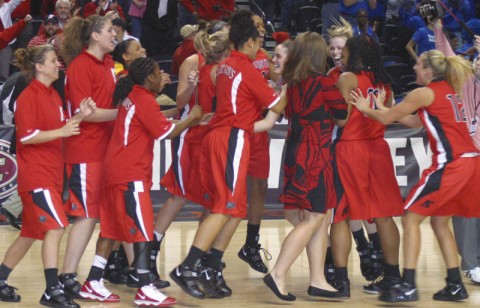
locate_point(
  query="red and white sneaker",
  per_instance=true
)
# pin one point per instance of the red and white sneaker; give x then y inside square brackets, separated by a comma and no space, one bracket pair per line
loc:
[95,290]
[150,296]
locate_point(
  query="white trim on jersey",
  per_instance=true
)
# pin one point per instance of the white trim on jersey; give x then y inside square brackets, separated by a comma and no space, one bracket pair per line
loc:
[179,164]
[28,137]
[165,135]
[138,207]
[128,120]
[274,102]
[234,91]
[336,128]
[422,187]
[48,198]
[442,154]
[237,157]
[83,185]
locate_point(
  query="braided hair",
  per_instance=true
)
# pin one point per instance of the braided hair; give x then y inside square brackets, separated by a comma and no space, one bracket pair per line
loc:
[138,71]
[366,55]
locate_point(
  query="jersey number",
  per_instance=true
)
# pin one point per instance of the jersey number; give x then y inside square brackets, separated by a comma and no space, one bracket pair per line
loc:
[458,109]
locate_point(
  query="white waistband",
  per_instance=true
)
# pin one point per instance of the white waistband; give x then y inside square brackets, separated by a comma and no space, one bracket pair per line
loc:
[470,154]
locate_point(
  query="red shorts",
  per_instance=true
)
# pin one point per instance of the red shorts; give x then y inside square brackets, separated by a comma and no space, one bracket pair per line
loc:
[42,211]
[183,177]
[128,215]
[85,187]
[308,174]
[367,176]
[448,190]
[224,166]
[259,164]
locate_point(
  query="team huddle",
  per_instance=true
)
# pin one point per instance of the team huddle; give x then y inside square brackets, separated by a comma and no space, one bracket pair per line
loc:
[337,170]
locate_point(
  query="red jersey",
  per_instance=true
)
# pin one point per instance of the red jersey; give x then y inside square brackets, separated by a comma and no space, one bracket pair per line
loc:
[183,52]
[139,122]
[261,64]
[240,88]
[89,77]
[210,9]
[335,73]
[359,126]
[206,96]
[444,121]
[39,165]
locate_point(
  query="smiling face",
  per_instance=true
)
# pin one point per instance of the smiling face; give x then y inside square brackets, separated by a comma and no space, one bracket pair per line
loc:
[258,21]
[335,48]
[424,74]
[48,70]
[279,57]
[134,51]
[155,80]
[51,28]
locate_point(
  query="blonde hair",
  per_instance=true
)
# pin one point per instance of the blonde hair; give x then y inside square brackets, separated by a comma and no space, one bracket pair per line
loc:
[453,69]
[308,55]
[27,58]
[212,45]
[340,28]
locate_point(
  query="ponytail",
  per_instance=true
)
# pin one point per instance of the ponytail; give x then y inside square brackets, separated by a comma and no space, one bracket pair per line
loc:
[77,35]
[123,87]
[212,45]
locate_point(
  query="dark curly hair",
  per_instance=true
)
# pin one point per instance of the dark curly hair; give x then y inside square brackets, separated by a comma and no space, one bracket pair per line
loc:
[242,28]
[366,55]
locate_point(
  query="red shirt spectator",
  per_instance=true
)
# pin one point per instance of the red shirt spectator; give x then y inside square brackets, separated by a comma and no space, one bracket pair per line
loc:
[101,7]
[186,49]
[210,9]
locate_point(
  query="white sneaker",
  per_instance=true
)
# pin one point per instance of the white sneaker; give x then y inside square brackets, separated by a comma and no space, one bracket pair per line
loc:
[475,275]
[95,290]
[150,296]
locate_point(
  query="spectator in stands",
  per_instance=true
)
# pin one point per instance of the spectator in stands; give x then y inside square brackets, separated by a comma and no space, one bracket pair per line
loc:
[377,16]
[135,13]
[50,26]
[7,35]
[6,9]
[159,27]
[263,8]
[101,7]
[463,11]
[467,48]
[190,11]
[362,27]
[119,26]
[186,49]
[349,8]
[330,13]
[75,7]
[422,40]
[63,13]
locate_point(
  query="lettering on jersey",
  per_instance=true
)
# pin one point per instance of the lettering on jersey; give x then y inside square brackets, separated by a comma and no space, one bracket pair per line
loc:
[370,93]
[127,103]
[262,66]
[458,109]
[226,70]
[8,170]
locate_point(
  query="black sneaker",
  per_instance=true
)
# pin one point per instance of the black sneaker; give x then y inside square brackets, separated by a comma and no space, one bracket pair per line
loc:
[206,279]
[251,255]
[115,276]
[329,271]
[133,281]
[453,292]
[71,287]
[343,286]
[187,279]
[54,297]
[377,265]
[380,284]
[365,260]
[7,293]
[401,292]
[221,284]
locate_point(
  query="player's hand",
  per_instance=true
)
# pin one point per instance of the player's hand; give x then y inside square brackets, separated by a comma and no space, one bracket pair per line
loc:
[71,128]
[87,107]
[361,102]
[206,118]
[27,18]
[193,78]
[196,112]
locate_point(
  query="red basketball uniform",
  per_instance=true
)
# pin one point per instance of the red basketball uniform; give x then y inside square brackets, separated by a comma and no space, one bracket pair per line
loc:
[88,77]
[40,166]
[368,186]
[308,172]
[450,185]
[259,165]
[226,149]
[128,165]
[182,178]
